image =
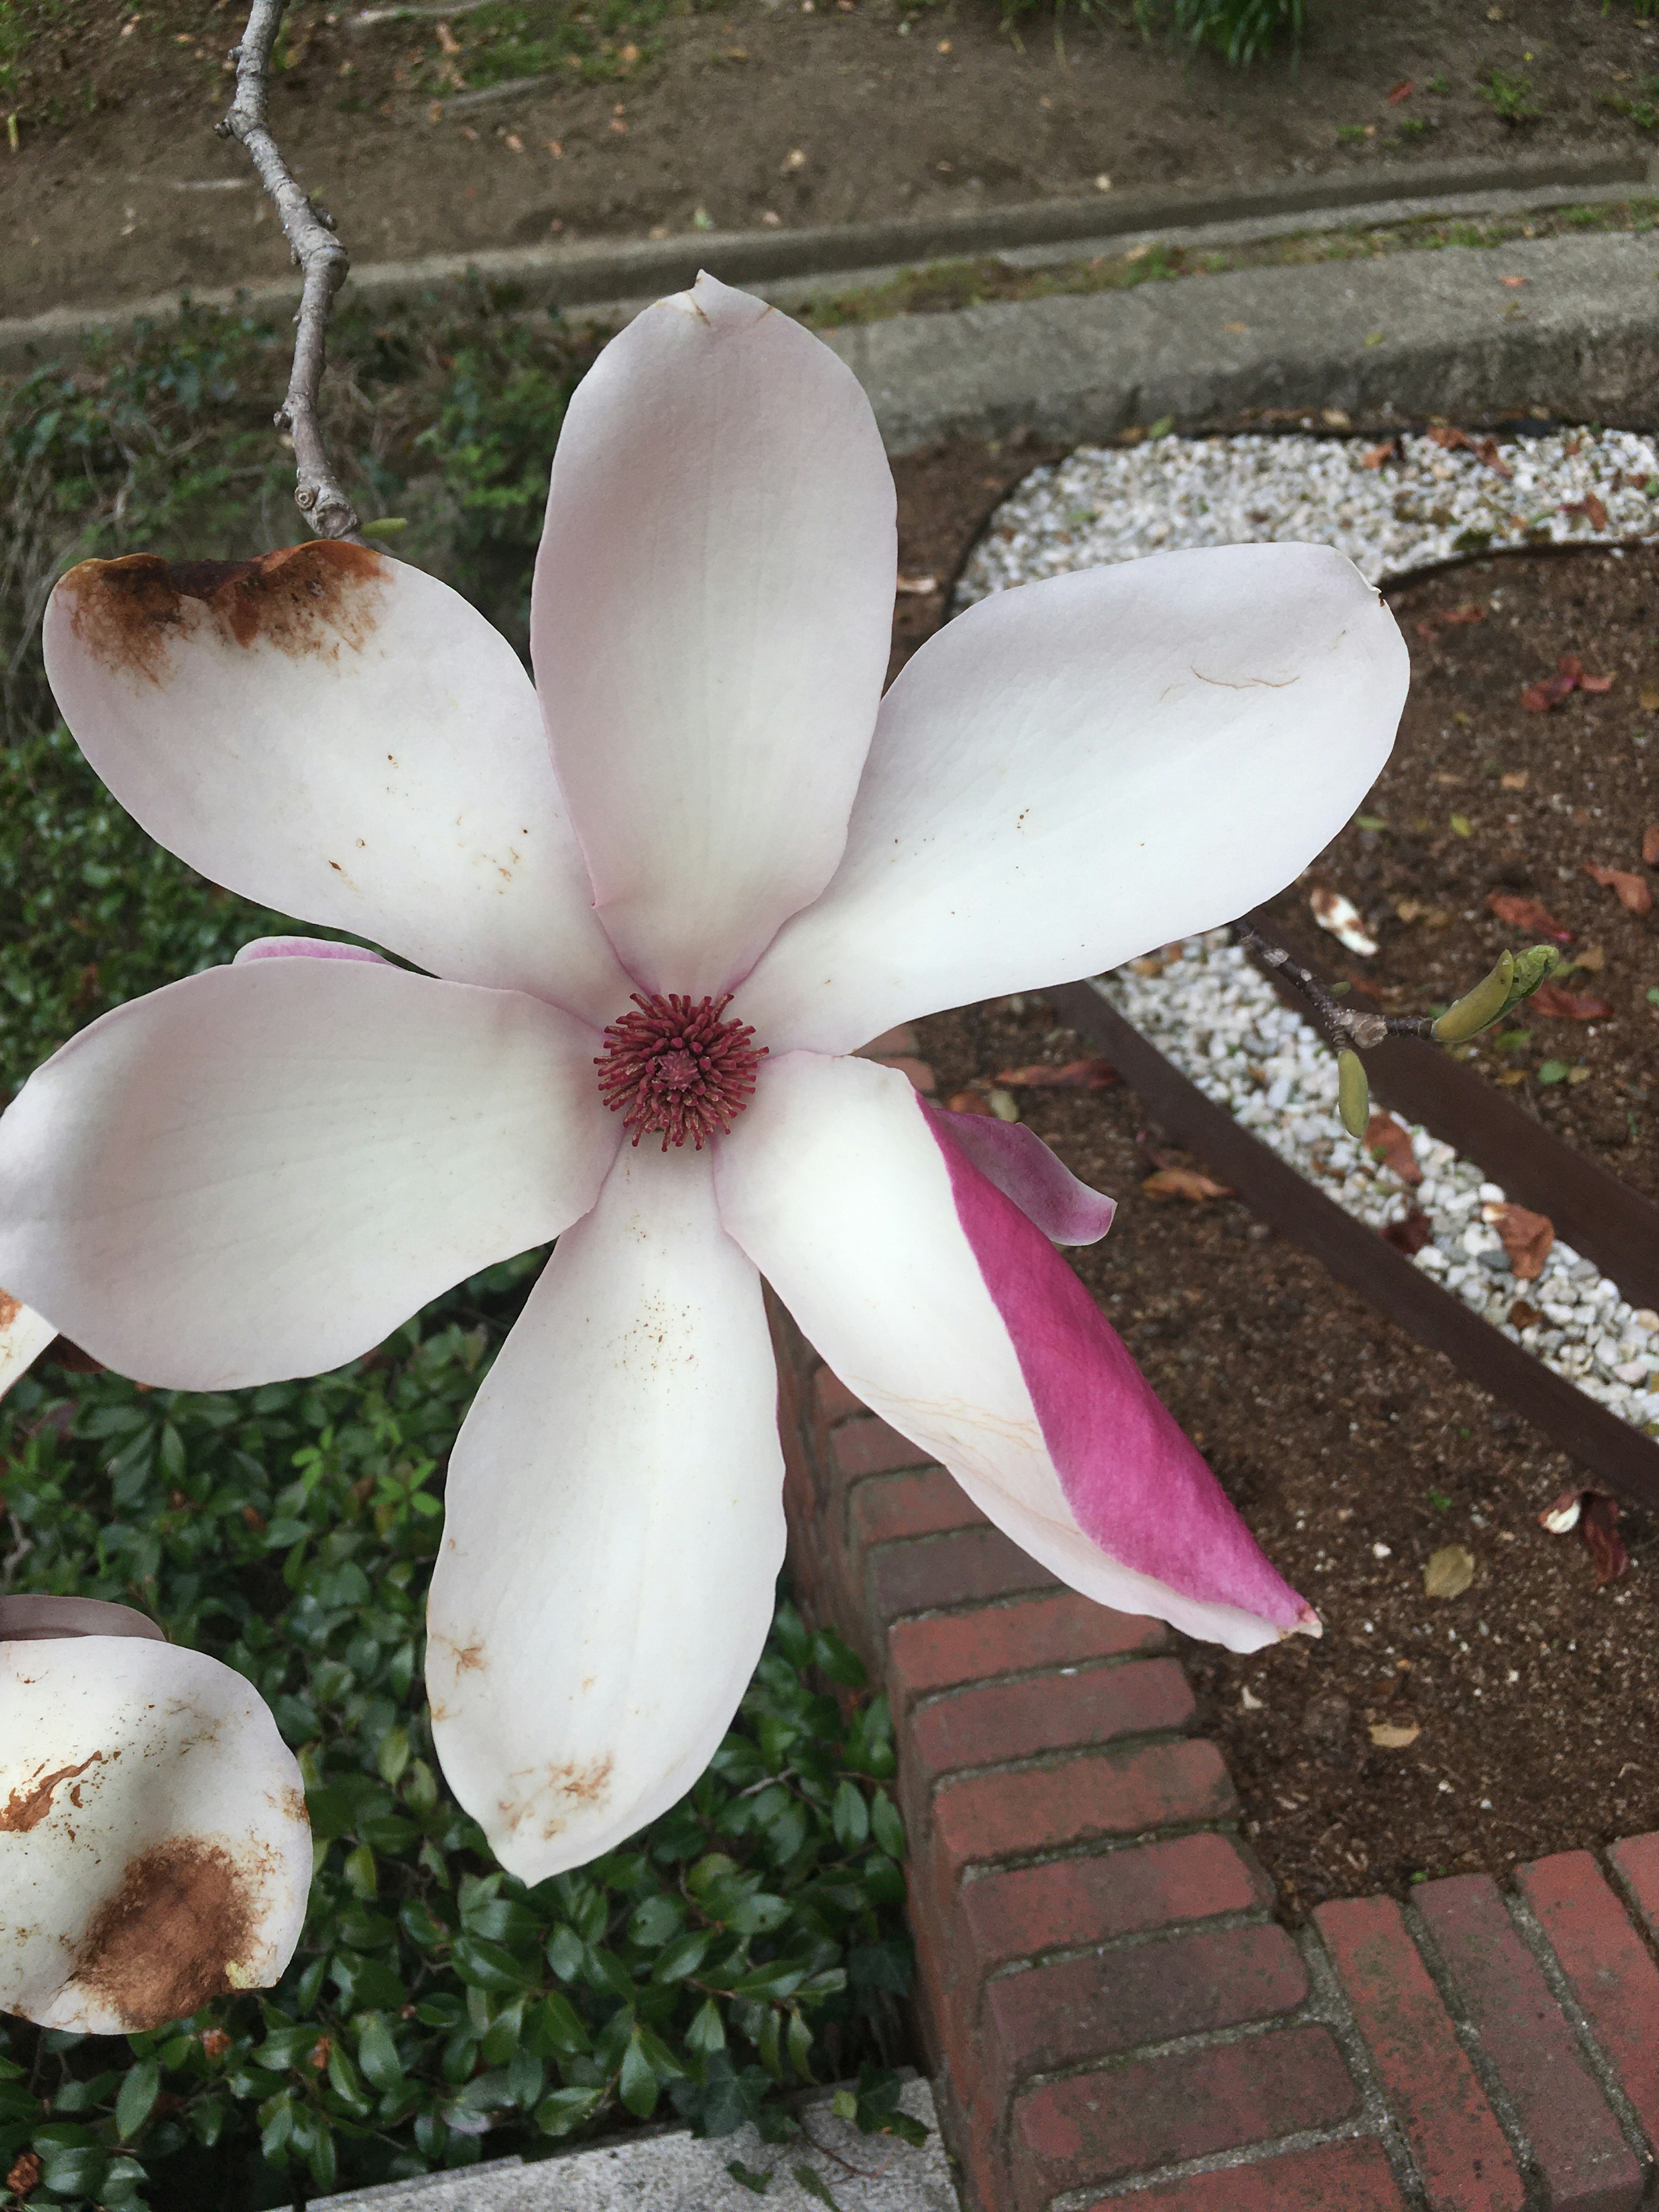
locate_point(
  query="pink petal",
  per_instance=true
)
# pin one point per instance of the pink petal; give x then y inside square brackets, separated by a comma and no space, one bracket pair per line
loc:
[303,948]
[1016,1159]
[948,1312]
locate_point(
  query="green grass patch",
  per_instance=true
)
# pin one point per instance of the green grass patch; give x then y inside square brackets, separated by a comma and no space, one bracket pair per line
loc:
[437,2010]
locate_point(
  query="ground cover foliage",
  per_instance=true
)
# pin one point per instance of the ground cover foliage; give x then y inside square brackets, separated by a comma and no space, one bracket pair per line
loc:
[437,2010]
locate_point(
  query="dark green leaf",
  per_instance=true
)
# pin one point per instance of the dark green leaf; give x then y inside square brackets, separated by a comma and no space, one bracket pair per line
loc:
[813,2185]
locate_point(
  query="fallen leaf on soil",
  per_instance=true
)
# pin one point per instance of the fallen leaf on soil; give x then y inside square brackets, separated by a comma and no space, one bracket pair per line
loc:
[1514,283]
[1634,894]
[1596,683]
[1539,698]
[1515,780]
[1527,1238]
[1410,1233]
[1076,1075]
[1561,1006]
[1453,617]
[1593,958]
[1395,1736]
[1450,1571]
[1597,1516]
[1650,698]
[1341,917]
[1528,913]
[1374,456]
[1607,1549]
[918,587]
[1389,1141]
[1524,1315]
[1401,91]
[1590,507]
[1190,1183]
[967,1101]
[1651,845]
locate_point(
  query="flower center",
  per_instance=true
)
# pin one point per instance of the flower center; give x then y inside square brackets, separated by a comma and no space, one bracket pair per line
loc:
[677,1067]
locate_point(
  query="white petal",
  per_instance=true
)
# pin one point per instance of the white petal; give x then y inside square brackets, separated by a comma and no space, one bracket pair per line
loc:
[1075,770]
[154,1846]
[259,1172]
[944,1310]
[613,1528]
[341,738]
[713,603]
[24,1335]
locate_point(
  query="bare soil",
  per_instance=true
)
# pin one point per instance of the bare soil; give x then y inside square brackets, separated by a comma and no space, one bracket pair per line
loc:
[1485,799]
[662,115]
[1353,1453]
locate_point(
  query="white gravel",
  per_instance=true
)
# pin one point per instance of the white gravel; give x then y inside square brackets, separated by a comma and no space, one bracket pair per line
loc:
[1115,503]
[1209,1010]
[1217,1016]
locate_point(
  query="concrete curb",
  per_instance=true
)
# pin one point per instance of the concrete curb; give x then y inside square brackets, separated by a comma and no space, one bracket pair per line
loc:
[605,273]
[666,2170]
[1395,340]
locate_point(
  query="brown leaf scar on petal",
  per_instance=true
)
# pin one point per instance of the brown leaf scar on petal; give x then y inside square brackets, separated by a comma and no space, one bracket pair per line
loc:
[308,599]
[175,1933]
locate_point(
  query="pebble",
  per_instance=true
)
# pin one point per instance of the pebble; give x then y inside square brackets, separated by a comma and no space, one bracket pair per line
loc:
[1115,503]
[1214,1014]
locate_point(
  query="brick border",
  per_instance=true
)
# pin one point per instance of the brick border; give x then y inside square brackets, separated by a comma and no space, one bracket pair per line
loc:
[1110,2009]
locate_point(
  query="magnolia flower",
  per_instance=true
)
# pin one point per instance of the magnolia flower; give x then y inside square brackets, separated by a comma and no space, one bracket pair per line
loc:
[154,1846]
[663,895]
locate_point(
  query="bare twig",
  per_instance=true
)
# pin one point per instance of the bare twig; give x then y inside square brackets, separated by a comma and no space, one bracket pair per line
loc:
[321,257]
[1347,1029]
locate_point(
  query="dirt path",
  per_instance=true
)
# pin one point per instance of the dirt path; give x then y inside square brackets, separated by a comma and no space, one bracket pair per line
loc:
[791,112]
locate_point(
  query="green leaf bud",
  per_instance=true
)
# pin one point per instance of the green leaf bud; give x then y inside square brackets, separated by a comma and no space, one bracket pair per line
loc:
[1353,1093]
[1479,1008]
[1532,967]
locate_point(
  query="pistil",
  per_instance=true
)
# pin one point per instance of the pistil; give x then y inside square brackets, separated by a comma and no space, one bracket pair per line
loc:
[677,1067]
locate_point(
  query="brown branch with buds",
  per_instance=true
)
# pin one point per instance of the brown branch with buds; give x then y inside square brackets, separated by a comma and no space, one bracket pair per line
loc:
[1345,1030]
[1350,1031]
[322,261]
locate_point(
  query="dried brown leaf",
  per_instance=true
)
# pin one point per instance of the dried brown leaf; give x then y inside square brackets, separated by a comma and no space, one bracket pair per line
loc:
[1395,1736]
[1651,845]
[1190,1183]
[1528,913]
[1448,1571]
[1634,893]
[1601,1527]
[1558,1005]
[1075,1075]
[1527,1238]
[1389,1141]
[1410,1233]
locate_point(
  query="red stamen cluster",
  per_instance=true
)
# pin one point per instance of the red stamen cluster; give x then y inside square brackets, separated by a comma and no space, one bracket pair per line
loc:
[677,1067]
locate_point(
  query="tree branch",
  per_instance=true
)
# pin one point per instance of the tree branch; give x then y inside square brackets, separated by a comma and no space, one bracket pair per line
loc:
[1346,1030]
[321,257]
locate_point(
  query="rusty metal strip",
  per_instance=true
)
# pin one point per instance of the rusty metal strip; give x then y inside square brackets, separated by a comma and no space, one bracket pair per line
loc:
[1599,1216]
[1617,1458]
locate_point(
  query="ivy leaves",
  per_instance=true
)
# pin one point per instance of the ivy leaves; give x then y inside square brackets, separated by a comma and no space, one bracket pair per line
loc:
[749,1943]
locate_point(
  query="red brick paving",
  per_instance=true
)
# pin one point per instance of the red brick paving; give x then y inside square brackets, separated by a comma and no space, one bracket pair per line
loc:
[1102,1992]
[1584,2162]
